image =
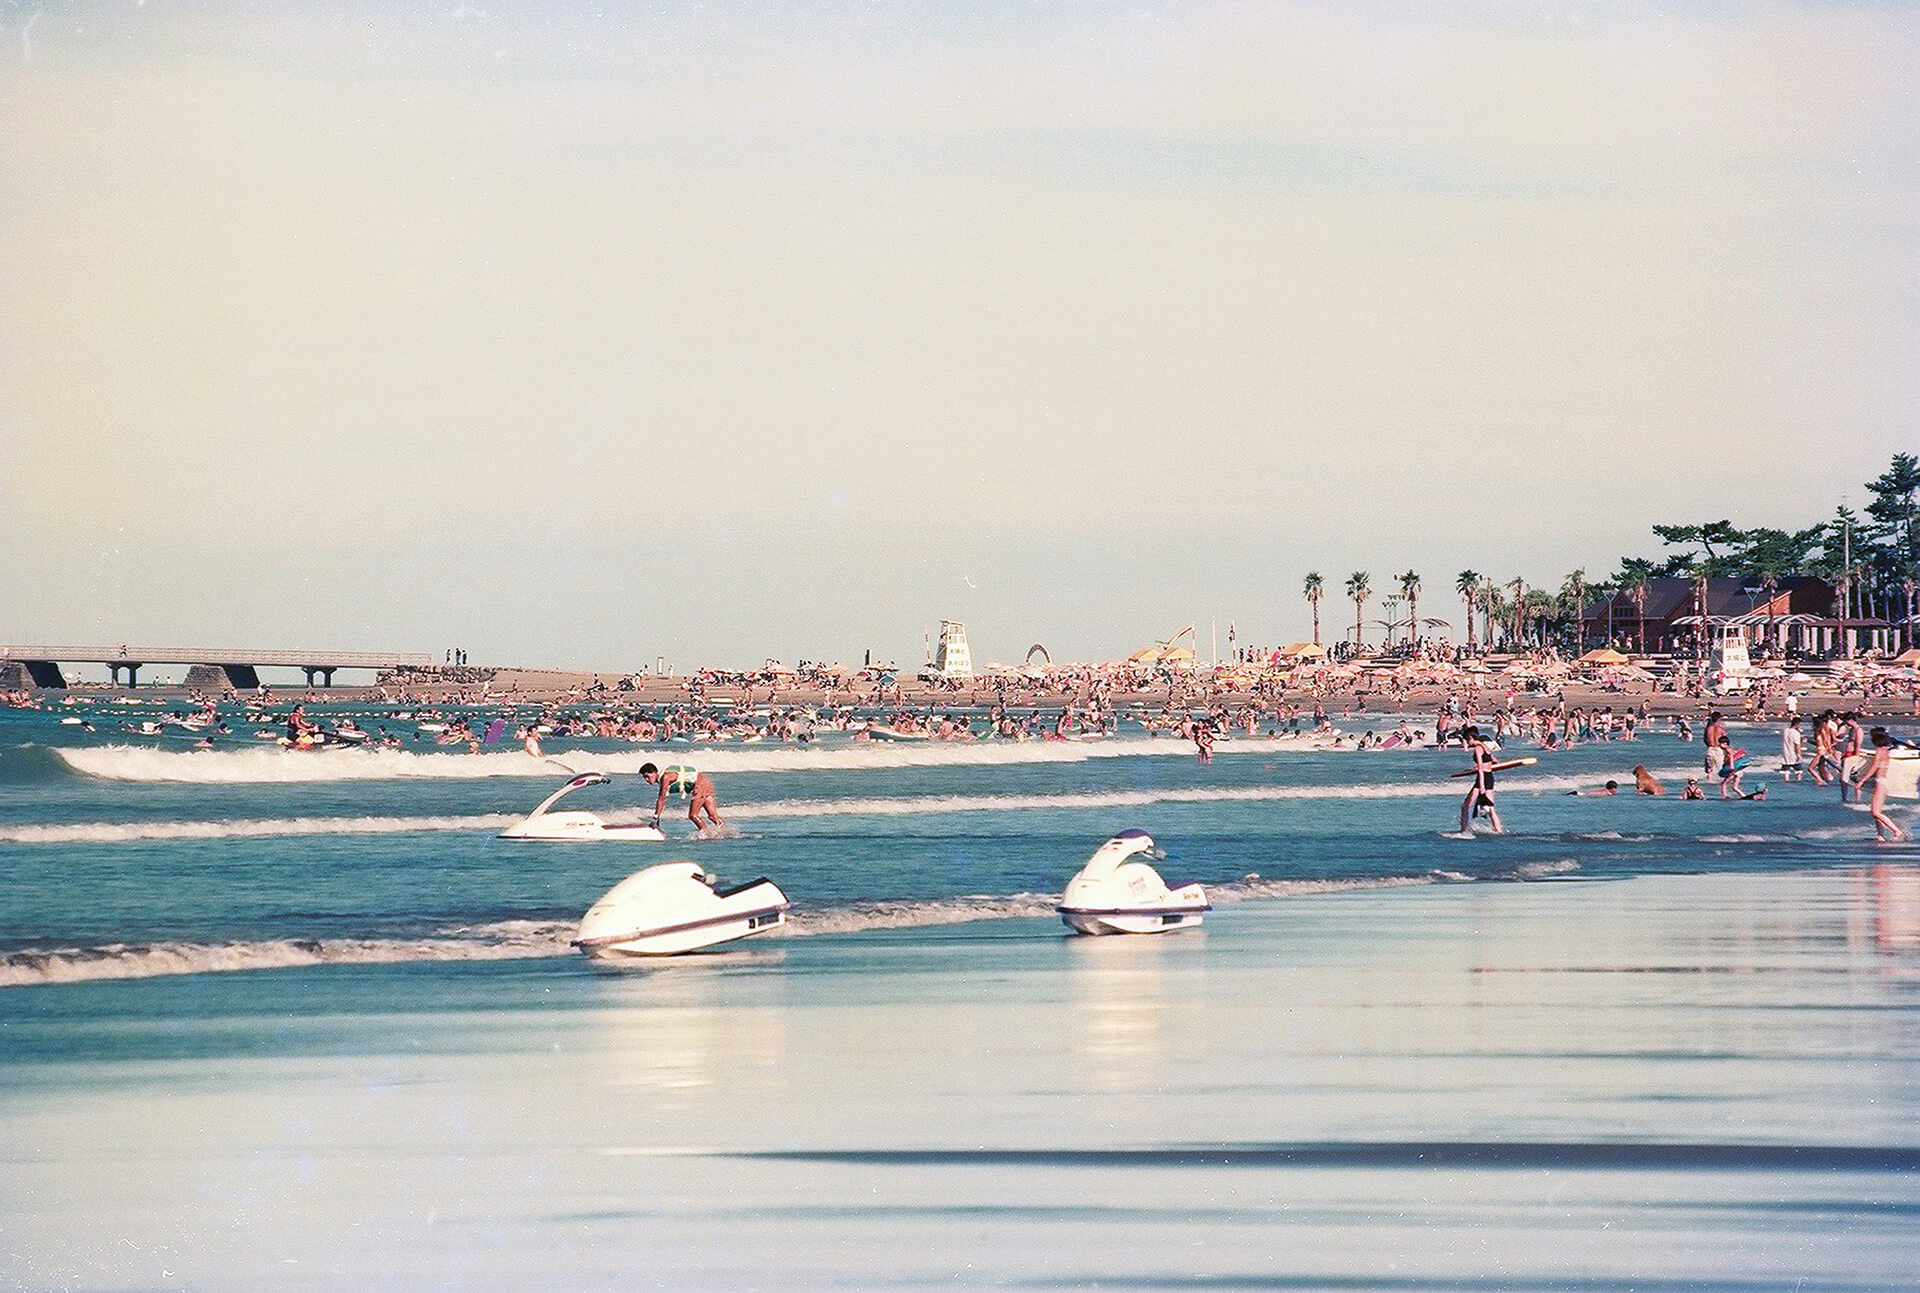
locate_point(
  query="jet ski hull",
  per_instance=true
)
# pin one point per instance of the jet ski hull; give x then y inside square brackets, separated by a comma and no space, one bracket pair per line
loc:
[673,908]
[580,828]
[574,826]
[1151,920]
[1118,893]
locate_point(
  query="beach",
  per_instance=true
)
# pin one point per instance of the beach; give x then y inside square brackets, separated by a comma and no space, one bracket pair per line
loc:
[290,1019]
[1697,1081]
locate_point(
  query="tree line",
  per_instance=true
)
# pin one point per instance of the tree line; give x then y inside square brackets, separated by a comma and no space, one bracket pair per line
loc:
[1872,562]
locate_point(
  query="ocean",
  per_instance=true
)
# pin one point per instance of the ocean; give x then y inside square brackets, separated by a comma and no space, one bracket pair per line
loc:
[300,1019]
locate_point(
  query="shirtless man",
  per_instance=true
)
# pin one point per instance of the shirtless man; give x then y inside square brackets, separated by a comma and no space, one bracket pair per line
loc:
[1875,770]
[697,785]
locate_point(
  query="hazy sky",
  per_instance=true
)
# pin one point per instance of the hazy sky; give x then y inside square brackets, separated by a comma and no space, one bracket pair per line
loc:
[580,337]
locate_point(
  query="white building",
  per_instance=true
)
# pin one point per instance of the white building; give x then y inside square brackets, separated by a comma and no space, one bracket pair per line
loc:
[953,659]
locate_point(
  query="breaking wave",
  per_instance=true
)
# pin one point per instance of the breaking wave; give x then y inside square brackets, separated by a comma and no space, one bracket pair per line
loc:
[878,806]
[506,940]
[529,939]
[131,832]
[275,765]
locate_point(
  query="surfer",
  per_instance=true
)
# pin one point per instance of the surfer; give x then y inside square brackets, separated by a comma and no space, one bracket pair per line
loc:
[1480,794]
[697,786]
[1875,770]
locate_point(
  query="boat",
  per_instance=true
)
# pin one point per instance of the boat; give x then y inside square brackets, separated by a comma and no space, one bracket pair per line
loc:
[877,732]
[676,907]
[542,824]
[1116,892]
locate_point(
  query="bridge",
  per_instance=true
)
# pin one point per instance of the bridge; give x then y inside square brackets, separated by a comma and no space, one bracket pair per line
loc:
[42,663]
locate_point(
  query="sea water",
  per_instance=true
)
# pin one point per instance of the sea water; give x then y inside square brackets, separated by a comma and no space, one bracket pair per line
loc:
[301,1018]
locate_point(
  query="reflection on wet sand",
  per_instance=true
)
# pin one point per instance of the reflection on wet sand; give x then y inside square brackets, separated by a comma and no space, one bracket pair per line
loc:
[1885,907]
[676,1028]
[1122,996]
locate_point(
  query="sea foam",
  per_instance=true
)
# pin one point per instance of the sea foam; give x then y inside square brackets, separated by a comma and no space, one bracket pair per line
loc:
[272,764]
[526,939]
[869,806]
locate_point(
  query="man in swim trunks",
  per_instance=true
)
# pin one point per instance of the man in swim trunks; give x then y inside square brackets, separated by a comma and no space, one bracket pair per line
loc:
[1480,795]
[696,785]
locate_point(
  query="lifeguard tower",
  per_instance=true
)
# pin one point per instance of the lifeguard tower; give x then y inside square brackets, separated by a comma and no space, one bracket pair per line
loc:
[953,660]
[1731,669]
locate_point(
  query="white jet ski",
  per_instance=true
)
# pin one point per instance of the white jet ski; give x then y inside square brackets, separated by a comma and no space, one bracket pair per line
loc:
[1903,774]
[674,907]
[544,825]
[1118,893]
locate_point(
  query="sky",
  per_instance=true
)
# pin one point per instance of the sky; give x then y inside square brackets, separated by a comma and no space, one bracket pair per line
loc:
[586,336]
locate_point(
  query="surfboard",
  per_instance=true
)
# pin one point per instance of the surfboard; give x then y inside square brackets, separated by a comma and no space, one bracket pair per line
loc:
[1499,766]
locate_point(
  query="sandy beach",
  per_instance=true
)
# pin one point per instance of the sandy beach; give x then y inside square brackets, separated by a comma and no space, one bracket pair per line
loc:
[512,686]
[1673,1082]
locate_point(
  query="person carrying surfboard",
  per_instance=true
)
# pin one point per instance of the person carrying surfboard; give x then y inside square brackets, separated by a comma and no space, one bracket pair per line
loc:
[1480,794]
[680,779]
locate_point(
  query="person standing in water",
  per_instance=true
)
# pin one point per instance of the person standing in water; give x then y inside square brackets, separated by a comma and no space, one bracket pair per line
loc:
[1480,795]
[681,779]
[1875,770]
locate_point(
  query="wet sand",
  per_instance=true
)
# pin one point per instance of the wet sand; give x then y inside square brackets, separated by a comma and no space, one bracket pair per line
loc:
[1670,1082]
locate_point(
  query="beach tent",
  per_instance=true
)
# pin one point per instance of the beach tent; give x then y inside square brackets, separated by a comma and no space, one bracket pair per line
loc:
[1302,651]
[1911,656]
[1604,656]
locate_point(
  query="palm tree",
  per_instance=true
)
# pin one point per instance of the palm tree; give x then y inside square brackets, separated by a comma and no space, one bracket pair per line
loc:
[1494,608]
[1699,572]
[1468,586]
[1312,593]
[1635,572]
[1770,586]
[1539,606]
[1519,586]
[1575,592]
[1358,590]
[1410,589]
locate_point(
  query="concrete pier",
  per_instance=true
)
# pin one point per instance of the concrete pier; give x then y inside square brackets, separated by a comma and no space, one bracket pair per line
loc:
[239,668]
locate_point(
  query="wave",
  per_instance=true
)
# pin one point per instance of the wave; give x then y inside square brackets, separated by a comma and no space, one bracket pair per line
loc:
[530,939]
[879,806]
[506,940]
[133,832]
[275,765]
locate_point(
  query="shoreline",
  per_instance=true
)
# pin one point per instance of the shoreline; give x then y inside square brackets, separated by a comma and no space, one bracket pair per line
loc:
[543,687]
[1535,1071]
